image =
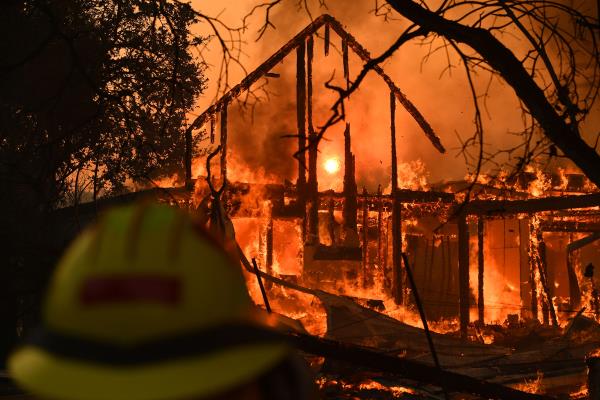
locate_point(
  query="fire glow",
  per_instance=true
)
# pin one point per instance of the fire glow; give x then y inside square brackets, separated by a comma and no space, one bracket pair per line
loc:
[332,165]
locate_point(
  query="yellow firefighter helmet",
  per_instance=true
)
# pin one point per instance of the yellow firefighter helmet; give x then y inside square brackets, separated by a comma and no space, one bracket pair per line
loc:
[145,306]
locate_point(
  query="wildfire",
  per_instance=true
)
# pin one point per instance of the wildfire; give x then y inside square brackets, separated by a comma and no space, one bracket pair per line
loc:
[332,165]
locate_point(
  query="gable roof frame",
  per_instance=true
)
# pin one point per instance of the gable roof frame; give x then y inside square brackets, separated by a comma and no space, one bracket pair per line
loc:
[283,52]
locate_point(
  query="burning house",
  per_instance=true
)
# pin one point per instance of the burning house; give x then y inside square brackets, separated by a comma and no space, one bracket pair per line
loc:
[349,241]
[521,251]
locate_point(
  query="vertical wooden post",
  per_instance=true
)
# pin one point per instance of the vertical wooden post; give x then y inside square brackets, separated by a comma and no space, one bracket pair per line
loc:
[386,249]
[379,230]
[301,124]
[397,284]
[532,282]
[224,143]
[463,274]
[543,269]
[365,234]
[350,189]
[574,292]
[480,264]
[212,129]
[313,186]
[593,364]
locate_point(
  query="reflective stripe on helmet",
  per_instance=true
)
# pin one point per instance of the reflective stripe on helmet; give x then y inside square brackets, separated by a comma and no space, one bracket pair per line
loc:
[207,341]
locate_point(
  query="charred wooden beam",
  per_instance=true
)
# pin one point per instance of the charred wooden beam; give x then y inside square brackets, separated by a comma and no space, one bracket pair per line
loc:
[420,196]
[212,129]
[532,281]
[554,203]
[350,190]
[397,278]
[345,62]
[393,144]
[410,369]
[261,286]
[534,294]
[480,267]
[272,75]
[397,273]
[299,40]
[574,290]
[543,270]
[404,196]
[463,274]
[569,226]
[327,39]
[365,236]
[313,185]
[593,364]
[301,123]
[578,244]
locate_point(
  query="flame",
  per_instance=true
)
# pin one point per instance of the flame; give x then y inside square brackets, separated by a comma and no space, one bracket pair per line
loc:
[332,165]
[534,386]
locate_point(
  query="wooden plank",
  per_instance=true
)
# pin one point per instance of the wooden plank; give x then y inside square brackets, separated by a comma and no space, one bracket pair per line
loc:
[397,281]
[543,270]
[553,203]
[463,274]
[532,283]
[301,122]
[345,62]
[420,196]
[365,238]
[350,193]
[570,226]
[313,191]
[480,267]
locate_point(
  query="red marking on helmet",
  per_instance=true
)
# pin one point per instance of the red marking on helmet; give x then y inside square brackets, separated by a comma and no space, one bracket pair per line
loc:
[131,289]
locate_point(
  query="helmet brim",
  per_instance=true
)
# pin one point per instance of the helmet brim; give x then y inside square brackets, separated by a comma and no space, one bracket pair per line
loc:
[48,375]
